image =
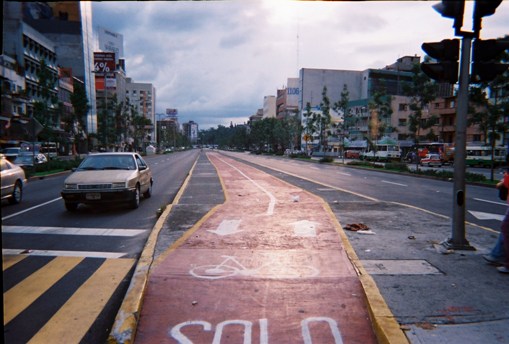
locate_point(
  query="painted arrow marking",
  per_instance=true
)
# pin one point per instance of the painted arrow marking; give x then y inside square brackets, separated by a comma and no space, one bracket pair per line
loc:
[486,216]
[227,227]
[304,228]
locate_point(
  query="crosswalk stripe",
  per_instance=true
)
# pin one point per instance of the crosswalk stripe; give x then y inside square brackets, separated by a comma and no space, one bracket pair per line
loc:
[26,292]
[72,231]
[10,260]
[77,315]
[89,254]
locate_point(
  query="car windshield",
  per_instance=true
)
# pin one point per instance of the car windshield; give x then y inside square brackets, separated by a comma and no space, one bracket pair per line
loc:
[108,162]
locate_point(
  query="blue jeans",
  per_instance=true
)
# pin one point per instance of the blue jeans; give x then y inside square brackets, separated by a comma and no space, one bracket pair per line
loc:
[498,251]
[505,233]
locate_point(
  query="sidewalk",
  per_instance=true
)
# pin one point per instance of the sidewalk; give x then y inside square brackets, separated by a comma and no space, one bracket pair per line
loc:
[436,297]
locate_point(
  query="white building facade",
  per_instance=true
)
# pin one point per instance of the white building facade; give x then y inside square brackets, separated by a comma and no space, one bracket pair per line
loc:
[143,97]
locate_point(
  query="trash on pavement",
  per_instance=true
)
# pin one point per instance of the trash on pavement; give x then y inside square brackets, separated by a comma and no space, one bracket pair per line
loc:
[356,227]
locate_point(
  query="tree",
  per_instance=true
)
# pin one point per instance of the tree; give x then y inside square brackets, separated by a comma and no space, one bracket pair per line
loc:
[422,90]
[310,126]
[489,118]
[139,128]
[44,107]
[324,118]
[380,114]
[342,106]
[75,123]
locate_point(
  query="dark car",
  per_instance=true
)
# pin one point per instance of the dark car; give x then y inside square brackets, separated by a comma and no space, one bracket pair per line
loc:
[108,178]
[11,153]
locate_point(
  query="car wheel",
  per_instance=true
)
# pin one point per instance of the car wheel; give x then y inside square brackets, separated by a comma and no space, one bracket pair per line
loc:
[70,206]
[17,193]
[148,193]
[135,203]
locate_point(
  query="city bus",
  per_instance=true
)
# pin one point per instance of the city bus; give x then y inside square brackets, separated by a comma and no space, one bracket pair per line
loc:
[383,152]
[482,156]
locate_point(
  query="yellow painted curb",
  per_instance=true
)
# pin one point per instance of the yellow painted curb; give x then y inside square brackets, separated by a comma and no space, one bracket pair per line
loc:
[387,329]
[126,321]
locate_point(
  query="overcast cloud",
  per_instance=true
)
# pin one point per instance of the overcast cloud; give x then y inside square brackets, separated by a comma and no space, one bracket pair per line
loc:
[215,61]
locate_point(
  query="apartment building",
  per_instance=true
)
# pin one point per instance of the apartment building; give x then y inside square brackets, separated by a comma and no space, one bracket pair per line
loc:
[143,97]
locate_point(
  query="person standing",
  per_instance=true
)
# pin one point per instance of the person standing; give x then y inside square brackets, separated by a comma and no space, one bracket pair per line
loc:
[505,227]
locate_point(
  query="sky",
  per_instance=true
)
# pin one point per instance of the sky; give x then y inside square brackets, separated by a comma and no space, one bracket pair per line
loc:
[214,61]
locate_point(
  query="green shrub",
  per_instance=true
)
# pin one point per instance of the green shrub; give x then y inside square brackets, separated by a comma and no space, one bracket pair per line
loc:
[396,166]
[53,166]
[327,159]
[300,155]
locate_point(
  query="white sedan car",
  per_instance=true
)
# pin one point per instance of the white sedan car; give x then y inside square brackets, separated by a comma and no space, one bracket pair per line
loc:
[13,180]
[431,160]
[108,178]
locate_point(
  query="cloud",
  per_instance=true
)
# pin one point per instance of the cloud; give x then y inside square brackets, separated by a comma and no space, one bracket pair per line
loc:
[215,60]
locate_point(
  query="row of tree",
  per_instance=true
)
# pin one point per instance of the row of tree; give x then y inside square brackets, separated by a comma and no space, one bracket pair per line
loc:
[119,123]
[277,135]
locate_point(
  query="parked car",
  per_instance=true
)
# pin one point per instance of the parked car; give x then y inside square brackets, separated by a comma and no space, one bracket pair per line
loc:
[352,154]
[13,180]
[108,178]
[431,160]
[28,159]
[11,153]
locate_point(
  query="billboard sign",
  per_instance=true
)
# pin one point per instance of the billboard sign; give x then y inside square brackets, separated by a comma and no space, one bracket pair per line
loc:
[104,66]
[171,112]
[104,62]
[293,92]
[111,41]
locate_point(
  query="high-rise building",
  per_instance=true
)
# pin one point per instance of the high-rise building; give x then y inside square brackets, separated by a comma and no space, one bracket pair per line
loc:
[68,24]
[190,130]
[143,97]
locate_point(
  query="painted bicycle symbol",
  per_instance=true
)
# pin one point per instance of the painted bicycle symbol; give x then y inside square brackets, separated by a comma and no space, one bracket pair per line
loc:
[230,266]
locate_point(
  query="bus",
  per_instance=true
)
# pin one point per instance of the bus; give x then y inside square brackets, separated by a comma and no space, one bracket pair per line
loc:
[482,156]
[383,152]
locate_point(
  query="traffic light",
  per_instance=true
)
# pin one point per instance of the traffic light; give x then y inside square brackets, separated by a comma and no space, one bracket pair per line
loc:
[485,65]
[483,8]
[446,53]
[452,9]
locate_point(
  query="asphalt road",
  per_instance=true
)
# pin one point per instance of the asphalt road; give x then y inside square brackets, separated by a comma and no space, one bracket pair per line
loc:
[66,273]
[482,203]
[46,233]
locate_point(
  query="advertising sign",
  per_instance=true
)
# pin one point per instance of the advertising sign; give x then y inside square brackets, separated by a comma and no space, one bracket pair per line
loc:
[104,66]
[111,41]
[293,92]
[104,62]
[171,112]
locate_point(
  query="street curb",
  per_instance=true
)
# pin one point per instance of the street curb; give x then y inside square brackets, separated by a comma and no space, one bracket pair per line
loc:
[124,328]
[387,329]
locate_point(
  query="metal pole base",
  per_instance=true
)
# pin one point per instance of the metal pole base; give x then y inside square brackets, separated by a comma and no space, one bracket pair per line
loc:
[450,245]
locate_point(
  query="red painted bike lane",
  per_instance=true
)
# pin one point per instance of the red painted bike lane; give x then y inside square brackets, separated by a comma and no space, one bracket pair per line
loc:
[267,266]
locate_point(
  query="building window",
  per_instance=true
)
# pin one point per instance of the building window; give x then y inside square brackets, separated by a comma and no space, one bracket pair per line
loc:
[403,107]
[402,122]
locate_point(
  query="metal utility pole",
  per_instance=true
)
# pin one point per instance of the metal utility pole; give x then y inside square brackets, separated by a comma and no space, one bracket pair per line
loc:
[458,240]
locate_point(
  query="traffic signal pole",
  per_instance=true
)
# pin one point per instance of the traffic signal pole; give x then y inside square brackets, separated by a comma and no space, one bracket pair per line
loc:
[458,240]
[446,71]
